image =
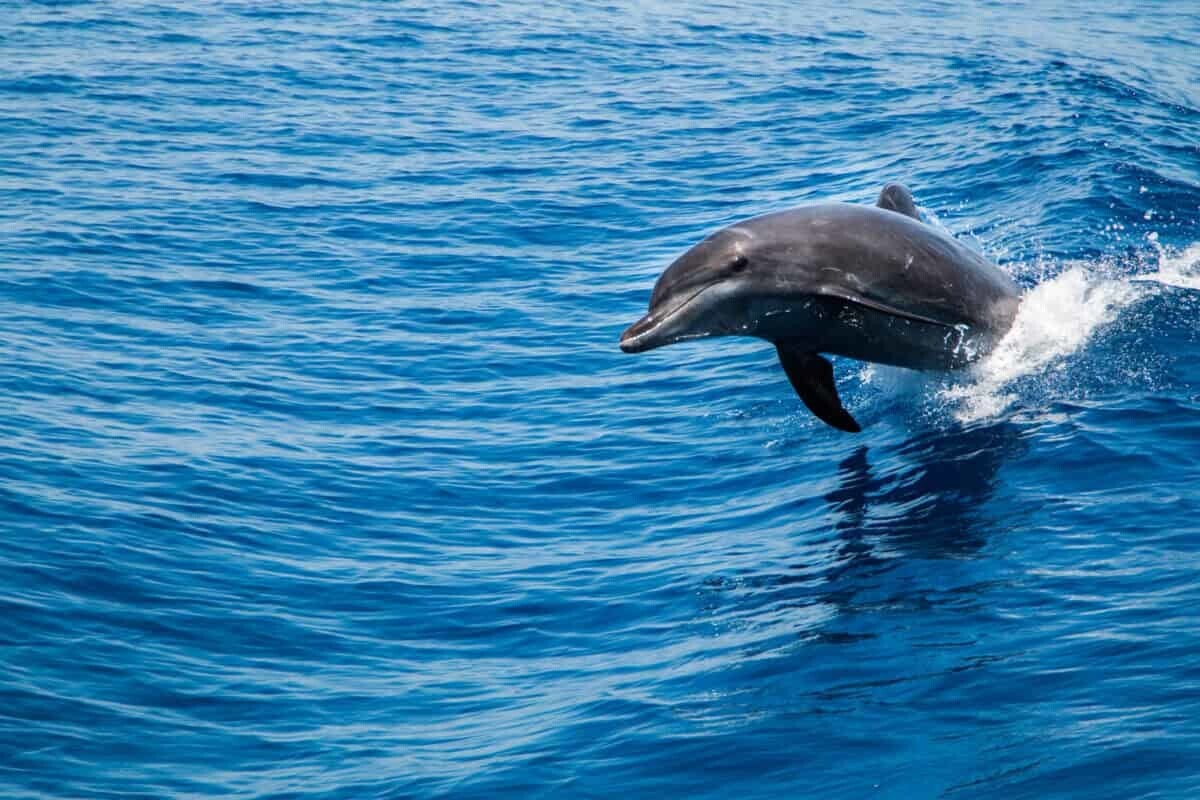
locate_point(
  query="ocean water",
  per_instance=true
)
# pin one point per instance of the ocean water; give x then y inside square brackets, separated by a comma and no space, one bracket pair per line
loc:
[322,475]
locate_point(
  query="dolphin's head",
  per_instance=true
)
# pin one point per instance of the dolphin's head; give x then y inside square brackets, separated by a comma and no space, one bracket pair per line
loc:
[708,291]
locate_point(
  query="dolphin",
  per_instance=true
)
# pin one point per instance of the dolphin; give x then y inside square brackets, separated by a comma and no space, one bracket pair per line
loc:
[872,283]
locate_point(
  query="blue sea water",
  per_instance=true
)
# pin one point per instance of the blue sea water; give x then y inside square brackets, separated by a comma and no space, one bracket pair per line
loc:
[322,475]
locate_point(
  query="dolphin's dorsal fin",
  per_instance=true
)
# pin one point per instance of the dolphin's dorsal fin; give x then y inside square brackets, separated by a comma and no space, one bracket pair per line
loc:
[812,378]
[896,197]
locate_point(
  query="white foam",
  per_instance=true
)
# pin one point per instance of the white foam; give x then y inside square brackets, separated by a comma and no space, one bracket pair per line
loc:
[1181,269]
[1056,319]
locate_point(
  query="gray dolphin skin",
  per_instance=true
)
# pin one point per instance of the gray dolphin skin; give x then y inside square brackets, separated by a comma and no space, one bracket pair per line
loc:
[872,283]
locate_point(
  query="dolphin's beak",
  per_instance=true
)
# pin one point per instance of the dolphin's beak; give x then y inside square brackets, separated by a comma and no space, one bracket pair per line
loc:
[639,337]
[661,327]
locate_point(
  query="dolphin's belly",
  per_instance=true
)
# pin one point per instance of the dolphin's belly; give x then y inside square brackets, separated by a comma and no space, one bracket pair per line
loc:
[838,327]
[869,335]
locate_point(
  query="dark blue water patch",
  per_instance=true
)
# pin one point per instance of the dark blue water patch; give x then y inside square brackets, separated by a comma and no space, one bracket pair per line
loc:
[274,180]
[48,84]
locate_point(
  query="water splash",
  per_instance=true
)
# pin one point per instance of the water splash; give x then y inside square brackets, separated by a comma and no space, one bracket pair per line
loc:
[1181,269]
[1057,318]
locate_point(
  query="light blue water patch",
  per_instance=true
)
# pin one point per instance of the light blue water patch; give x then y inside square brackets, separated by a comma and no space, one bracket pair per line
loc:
[322,475]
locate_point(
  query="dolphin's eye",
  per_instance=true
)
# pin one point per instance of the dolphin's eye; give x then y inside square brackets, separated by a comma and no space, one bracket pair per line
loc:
[740,262]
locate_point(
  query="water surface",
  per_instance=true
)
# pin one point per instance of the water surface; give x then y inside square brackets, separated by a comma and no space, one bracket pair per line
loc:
[322,475]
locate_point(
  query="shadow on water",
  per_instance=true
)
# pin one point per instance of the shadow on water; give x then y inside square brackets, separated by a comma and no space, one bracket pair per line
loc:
[898,507]
[924,499]
[893,506]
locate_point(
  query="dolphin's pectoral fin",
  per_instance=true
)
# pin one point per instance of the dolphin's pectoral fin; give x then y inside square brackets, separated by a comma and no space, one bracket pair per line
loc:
[812,378]
[896,197]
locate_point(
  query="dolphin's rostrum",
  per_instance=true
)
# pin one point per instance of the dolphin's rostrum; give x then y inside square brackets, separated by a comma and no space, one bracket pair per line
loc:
[870,283]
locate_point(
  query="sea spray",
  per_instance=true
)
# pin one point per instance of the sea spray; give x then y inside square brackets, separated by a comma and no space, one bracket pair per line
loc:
[1176,269]
[1057,318]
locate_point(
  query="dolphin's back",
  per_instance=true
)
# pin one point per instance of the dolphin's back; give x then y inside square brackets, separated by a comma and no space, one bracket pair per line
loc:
[890,262]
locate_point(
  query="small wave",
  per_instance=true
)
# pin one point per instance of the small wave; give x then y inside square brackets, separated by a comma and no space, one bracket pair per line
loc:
[1057,318]
[276,180]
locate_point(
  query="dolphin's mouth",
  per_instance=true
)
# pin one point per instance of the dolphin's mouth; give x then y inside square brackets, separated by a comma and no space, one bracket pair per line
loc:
[651,331]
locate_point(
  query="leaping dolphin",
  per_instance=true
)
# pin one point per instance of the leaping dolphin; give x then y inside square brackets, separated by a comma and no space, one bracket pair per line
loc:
[870,283]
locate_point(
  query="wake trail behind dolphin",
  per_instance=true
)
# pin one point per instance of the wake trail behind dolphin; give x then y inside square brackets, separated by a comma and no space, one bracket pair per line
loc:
[1057,318]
